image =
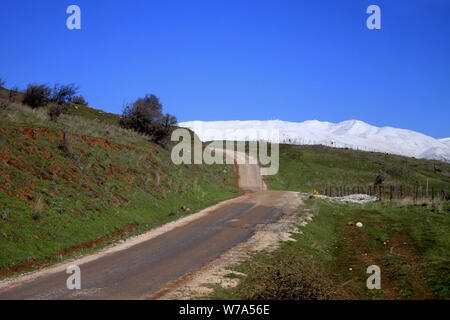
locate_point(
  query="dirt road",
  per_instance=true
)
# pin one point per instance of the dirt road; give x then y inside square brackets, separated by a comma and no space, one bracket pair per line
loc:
[146,263]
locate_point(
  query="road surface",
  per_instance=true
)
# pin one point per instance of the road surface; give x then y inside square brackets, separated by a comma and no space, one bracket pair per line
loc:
[145,267]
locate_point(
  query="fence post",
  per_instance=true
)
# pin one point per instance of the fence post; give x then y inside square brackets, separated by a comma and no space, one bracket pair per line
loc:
[442,195]
[414,194]
[432,194]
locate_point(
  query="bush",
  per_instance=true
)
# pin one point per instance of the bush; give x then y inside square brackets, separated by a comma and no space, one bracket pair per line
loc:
[145,116]
[64,93]
[55,111]
[2,82]
[288,278]
[159,133]
[37,95]
[168,120]
[141,114]
[13,92]
[79,100]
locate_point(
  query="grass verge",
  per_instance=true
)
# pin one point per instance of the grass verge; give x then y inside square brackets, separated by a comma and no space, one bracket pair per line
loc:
[411,245]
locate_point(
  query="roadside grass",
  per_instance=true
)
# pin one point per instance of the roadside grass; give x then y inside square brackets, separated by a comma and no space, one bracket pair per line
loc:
[304,168]
[411,245]
[61,197]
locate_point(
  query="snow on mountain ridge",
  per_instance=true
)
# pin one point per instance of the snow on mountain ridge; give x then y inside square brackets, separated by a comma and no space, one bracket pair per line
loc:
[445,140]
[353,134]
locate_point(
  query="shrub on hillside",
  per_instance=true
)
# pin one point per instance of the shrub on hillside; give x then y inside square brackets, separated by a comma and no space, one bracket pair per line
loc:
[2,82]
[37,95]
[145,116]
[79,100]
[64,93]
[168,120]
[55,111]
[141,114]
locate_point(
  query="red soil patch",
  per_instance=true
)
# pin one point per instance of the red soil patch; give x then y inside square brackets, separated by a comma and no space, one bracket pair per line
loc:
[99,142]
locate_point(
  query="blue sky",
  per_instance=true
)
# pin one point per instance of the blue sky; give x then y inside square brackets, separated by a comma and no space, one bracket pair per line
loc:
[244,59]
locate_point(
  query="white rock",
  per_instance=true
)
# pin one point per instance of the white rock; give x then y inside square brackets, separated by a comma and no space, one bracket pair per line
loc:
[359,224]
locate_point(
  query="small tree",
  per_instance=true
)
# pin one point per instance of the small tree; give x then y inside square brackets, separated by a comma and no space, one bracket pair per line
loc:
[36,95]
[2,82]
[64,93]
[145,116]
[141,114]
[168,120]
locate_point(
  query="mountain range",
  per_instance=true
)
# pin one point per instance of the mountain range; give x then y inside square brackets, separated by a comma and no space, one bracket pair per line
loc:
[353,134]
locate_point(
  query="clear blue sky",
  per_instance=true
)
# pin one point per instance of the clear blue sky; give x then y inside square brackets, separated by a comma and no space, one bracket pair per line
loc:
[242,59]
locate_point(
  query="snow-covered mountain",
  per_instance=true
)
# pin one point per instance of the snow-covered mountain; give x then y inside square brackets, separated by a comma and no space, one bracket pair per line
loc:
[352,134]
[446,141]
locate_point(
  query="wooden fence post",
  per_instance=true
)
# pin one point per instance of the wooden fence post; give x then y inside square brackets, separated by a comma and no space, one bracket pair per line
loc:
[414,194]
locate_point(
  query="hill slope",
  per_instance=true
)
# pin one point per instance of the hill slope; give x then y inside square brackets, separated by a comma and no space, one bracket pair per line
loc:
[304,168]
[60,196]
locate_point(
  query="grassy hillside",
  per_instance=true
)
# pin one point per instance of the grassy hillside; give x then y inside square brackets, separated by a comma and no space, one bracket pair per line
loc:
[304,168]
[62,196]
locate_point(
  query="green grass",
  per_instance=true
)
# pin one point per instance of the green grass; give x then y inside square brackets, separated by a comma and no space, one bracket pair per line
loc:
[411,244]
[304,168]
[110,184]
